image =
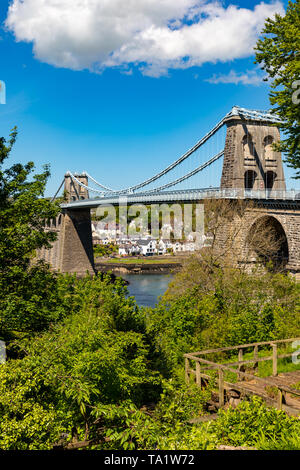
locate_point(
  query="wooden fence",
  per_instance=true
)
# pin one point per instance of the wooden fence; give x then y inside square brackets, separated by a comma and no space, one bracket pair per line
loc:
[203,365]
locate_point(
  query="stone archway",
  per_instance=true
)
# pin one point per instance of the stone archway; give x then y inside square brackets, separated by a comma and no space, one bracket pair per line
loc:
[268,242]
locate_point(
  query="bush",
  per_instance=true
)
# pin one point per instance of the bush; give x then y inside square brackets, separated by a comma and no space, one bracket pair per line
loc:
[92,363]
[253,424]
[230,308]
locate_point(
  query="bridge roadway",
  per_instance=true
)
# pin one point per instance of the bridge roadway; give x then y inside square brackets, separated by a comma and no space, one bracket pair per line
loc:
[183,196]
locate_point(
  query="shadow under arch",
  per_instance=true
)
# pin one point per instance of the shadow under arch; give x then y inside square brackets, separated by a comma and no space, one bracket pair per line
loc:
[268,240]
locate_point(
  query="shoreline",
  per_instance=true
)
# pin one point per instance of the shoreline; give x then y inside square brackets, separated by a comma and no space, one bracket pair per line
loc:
[138,268]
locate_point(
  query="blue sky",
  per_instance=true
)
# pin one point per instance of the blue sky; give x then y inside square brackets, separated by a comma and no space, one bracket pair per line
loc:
[121,93]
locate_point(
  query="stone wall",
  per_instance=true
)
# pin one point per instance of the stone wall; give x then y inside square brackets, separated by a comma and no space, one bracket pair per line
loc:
[237,161]
[72,252]
[237,231]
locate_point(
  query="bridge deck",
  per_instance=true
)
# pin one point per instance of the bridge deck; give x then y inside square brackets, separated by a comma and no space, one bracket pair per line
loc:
[187,196]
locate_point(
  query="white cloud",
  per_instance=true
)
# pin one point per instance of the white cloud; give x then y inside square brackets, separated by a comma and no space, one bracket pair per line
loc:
[250,77]
[154,35]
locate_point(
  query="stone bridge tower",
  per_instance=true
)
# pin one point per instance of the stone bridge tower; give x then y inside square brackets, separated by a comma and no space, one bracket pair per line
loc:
[249,159]
[73,190]
[72,252]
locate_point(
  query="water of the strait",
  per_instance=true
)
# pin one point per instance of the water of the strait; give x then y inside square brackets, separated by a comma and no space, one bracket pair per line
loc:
[146,288]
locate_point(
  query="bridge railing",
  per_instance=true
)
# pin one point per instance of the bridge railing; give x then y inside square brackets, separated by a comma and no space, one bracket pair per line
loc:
[202,366]
[191,195]
[290,195]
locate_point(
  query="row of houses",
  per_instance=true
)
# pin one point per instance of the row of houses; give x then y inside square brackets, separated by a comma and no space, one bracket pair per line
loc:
[143,245]
[114,232]
[150,247]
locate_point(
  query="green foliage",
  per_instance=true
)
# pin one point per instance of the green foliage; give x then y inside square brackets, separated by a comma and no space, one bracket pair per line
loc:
[94,377]
[28,420]
[231,308]
[296,386]
[176,327]
[31,300]
[179,403]
[167,426]
[23,211]
[28,292]
[255,425]
[88,368]
[79,376]
[279,55]
[105,250]
[286,442]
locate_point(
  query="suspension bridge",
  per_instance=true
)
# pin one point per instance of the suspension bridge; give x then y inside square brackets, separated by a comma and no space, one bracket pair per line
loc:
[201,171]
[236,159]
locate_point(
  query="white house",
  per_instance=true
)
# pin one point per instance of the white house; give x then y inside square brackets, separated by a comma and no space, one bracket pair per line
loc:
[135,249]
[161,247]
[124,250]
[164,245]
[147,247]
[177,246]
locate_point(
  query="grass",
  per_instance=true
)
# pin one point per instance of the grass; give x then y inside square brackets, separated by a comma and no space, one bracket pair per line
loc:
[138,261]
[296,386]
[265,368]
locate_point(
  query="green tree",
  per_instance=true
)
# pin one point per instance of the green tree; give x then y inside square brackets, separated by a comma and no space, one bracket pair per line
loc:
[222,307]
[105,250]
[84,377]
[28,290]
[278,52]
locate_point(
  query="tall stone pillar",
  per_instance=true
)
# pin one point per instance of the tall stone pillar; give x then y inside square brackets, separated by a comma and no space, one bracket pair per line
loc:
[73,190]
[249,159]
[75,243]
[72,252]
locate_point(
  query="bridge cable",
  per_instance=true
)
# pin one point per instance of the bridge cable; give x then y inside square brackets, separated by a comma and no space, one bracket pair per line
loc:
[178,161]
[84,185]
[167,185]
[188,175]
[99,184]
[161,173]
[236,111]
[54,197]
[183,178]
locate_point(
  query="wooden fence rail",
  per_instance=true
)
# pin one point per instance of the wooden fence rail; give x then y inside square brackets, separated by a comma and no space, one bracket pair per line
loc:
[202,365]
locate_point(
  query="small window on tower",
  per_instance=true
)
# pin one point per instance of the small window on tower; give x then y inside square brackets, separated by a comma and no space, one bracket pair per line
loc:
[248,147]
[270,178]
[250,177]
[268,145]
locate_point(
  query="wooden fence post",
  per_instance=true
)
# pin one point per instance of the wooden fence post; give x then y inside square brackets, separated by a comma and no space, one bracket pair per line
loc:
[274,345]
[255,356]
[240,358]
[186,370]
[281,398]
[198,374]
[221,387]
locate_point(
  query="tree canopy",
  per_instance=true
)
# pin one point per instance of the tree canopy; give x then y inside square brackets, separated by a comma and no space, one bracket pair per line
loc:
[278,53]
[28,290]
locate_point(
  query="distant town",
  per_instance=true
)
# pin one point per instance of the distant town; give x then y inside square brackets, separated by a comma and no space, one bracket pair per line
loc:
[143,244]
